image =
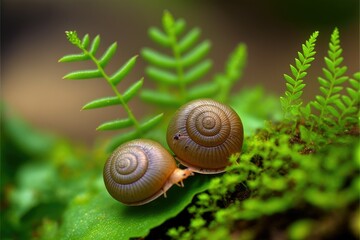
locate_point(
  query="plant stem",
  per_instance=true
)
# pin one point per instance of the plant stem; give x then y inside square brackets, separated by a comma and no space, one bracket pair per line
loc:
[118,94]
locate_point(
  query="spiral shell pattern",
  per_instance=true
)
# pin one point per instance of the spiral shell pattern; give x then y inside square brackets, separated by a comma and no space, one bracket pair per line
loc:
[203,134]
[137,171]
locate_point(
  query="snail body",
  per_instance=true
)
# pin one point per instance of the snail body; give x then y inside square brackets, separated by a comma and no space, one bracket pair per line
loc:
[140,171]
[203,134]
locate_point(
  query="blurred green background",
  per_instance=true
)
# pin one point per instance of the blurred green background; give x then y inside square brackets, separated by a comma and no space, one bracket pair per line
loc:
[34,96]
[33,40]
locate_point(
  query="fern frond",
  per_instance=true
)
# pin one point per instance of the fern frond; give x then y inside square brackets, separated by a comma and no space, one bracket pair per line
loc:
[331,83]
[291,102]
[89,50]
[234,69]
[174,73]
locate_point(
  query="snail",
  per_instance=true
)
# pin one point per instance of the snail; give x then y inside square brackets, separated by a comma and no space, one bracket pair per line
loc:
[203,134]
[140,171]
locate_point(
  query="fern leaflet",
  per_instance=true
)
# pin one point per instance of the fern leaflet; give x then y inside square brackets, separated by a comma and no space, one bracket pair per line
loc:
[234,69]
[89,53]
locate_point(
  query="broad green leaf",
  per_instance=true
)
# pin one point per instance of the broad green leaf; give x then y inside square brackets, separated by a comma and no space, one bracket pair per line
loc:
[115,124]
[98,216]
[197,71]
[159,37]
[196,54]
[95,45]
[161,98]
[109,53]
[74,57]
[162,76]
[149,124]
[132,90]
[123,71]
[83,74]
[158,59]
[189,40]
[101,102]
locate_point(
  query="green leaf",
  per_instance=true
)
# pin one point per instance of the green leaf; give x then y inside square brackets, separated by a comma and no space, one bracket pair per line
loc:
[337,89]
[333,111]
[289,79]
[347,100]
[95,45]
[159,37]
[340,105]
[109,219]
[132,90]
[203,91]
[198,71]
[74,57]
[179,26]
[189,39]
[300,87]
[294,71]
[85,41]
[323,82]
[161,98]
[162,76]
[196,53]
[109,53]
[121,138]
[101,102]
[158,59]
[83,74]
[123,71]
[115,124]
[353,94]
[149,124]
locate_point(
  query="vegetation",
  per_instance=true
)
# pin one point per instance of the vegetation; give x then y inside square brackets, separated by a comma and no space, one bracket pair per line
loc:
[297,176]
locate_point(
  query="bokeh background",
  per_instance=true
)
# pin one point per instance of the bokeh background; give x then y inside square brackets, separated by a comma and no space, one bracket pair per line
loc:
[33,39]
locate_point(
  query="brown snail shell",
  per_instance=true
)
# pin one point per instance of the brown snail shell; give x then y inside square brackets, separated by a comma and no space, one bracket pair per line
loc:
[140,171]
[203,134]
